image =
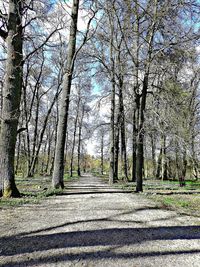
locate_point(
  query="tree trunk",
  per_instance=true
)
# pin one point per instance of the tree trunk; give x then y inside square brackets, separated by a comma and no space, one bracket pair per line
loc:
[112,116]
[50,136]
[74,138]
[159,163]
[112,136]
[164,159]
[153,155]
[58,172]
[122,127]
[40,139]
[102,154]
[123,147]
[18,154]
[11,99]
[79,141]
[134,147]
[140,145]
[116,151]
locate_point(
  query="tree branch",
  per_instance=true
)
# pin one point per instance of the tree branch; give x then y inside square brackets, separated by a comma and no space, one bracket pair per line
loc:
[3,34]
[40,46]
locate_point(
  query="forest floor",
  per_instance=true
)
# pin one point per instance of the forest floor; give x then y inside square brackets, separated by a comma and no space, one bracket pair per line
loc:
[94,224]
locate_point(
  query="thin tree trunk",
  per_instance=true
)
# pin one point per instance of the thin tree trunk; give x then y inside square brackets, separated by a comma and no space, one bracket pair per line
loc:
[73,143]
[58,172]
[123,147]
[18,154]
[122,128]
[102,154]
[50,135]
[136,107]
[140,145]
[79,141]
[116,151]
[159,162]
[11,99]
[153,155]
[184,162]
[134,147]
[164,159]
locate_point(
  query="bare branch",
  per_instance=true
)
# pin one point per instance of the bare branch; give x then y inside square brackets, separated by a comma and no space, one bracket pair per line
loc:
[3,34]
[41,46]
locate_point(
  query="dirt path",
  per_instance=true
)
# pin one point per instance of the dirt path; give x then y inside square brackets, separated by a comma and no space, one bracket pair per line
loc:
[97,225]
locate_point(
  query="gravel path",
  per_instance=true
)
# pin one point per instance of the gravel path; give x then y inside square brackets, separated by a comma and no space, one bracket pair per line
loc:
[94,224]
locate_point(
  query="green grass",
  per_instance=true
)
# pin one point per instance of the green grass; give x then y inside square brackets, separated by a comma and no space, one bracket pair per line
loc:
[68,178]
[29,198]
[33,191]
[171,201]
[187,203]
[13,202]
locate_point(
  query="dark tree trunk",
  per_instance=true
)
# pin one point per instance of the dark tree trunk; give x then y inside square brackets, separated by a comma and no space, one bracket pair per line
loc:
[112,136]
[153,155]
[79,141]
[102,153]
[123,135]
[123,147]
[184,163]
[140,144]
[164,159]
[116,151]
[58,172]
[134,147]
[50,136]
[159,163]
[11,99]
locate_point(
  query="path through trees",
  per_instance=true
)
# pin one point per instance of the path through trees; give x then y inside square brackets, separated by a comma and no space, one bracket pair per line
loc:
[94,224]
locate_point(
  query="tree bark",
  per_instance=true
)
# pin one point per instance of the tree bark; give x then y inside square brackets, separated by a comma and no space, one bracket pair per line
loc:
[153,155]
[11,99]
[140,145]
[102,153]
[159,163]
[116,151]
[79,141]
[74,140]
[134,147]
[58,172]
[112,118]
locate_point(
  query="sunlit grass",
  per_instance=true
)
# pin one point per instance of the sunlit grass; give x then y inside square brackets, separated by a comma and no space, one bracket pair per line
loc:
[33,190]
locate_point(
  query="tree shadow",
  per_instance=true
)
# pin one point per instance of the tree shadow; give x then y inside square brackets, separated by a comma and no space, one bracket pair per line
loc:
[92,256]
[66,193]
[92,238]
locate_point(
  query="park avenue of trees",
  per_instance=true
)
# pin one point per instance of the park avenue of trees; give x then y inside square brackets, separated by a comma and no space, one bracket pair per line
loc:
[123,74]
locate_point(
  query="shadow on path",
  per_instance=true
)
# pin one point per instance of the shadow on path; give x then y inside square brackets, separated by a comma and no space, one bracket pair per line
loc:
[91,238]
[105,254]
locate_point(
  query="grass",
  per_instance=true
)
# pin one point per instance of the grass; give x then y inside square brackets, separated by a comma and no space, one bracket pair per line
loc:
[29,198]
[178,199]
[187,203]
[13,202]
[33,191]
